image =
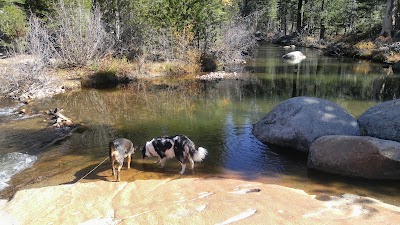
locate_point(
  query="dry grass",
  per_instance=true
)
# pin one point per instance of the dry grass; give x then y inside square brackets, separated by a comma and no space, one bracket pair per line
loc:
[120,67]
[393,57]
[365,45]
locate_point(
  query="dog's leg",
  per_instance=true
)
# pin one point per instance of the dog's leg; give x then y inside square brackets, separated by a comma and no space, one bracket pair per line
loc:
[162,162]
[118,172]
[129,160]
[112,157]
[191,162]
[183,168]
[113,166]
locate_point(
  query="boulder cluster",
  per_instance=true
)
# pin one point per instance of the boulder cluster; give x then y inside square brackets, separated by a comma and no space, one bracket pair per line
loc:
[336,142]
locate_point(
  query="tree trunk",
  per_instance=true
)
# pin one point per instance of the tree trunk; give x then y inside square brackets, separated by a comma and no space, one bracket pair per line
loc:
[322,31]
[299,24]
[397,16]
[387,24]
[284,24]
[117,22]
[305,25]
[245,8]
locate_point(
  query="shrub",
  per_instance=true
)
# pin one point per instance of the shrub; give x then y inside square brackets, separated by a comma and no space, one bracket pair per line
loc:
[74,36]
[236,39]
[79,35]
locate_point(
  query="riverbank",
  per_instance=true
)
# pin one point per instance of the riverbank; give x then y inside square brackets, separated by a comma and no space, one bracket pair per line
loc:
[379,49]
[189,201]
[32,79]
[26,77]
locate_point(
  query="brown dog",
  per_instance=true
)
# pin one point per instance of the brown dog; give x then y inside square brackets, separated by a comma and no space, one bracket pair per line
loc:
[120,149]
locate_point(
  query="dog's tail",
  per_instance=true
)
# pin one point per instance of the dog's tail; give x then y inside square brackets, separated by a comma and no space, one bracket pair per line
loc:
[111,149]
[200,154]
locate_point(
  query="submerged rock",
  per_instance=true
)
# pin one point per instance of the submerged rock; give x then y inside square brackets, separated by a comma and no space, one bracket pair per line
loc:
[361,156]
[298,121]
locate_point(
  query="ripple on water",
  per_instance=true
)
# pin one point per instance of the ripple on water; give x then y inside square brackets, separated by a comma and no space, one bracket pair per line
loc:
[13,163]
[8,113]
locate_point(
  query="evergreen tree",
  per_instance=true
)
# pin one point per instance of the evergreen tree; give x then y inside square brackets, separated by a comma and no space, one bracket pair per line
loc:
[12,19]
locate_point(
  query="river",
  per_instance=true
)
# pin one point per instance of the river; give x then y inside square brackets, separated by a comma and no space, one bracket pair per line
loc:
[217,115]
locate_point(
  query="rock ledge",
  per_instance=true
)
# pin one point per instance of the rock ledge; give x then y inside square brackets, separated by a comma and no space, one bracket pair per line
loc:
[188,201]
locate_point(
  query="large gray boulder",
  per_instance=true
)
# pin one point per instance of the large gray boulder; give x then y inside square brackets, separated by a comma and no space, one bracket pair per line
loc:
[356,156]
[382,121]
[298,121]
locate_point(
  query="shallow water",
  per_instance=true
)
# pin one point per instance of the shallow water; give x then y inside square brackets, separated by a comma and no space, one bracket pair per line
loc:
[8,167]
[215,115]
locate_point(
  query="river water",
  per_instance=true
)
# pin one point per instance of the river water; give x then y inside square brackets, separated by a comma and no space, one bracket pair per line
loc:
[217,115]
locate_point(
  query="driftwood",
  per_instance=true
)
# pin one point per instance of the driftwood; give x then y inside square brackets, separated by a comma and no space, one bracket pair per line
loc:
[59,120]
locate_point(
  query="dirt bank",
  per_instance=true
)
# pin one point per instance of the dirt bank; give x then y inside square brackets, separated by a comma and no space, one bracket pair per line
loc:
[188,201]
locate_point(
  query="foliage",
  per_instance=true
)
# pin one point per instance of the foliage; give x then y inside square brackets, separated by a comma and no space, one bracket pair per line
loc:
[78,32]
[39,8]
[12,20]
[340,17]
[200,18]
[166,30]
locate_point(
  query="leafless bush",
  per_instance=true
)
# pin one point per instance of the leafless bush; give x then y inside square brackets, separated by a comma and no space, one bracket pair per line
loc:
[74,36]
[26,80]
[80,35]
[16,47]
[236,38]
[41,43]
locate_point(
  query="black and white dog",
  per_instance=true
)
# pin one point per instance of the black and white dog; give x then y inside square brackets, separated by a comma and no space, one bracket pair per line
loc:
[178,146]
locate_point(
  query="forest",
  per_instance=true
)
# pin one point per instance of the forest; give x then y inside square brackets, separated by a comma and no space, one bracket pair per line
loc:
[193,35]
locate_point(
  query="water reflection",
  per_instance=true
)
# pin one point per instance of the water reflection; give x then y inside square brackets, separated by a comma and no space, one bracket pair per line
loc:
[243,152]
[386,87]
[322,76]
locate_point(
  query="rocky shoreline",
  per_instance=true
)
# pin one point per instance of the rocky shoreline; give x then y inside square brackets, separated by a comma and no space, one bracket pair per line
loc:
[378,50]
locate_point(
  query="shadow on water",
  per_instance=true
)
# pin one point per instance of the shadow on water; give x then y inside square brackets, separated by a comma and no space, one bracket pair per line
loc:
[216,115]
